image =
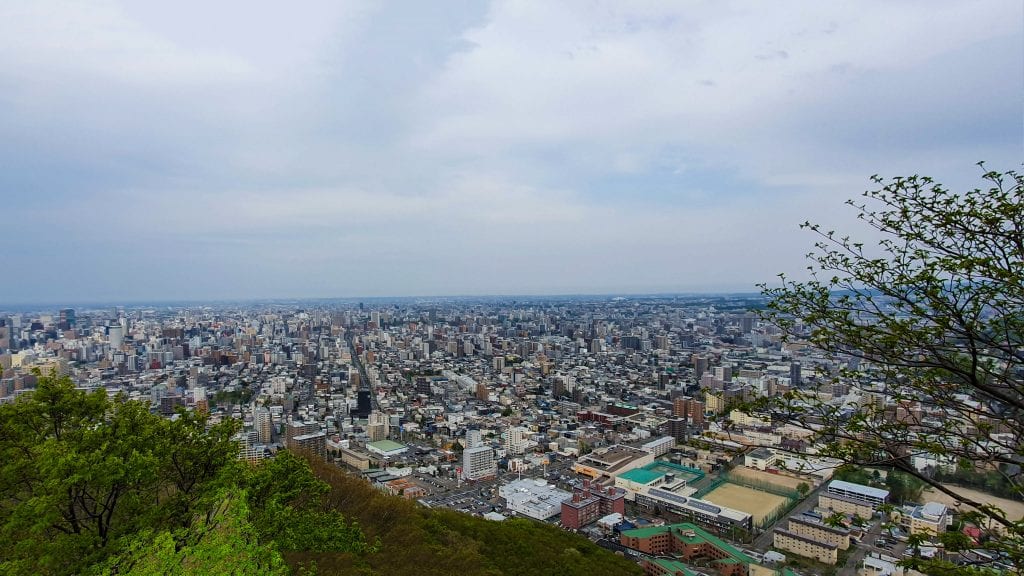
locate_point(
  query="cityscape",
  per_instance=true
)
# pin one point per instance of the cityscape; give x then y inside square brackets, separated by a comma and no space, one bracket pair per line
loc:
[606,416]
[512,288]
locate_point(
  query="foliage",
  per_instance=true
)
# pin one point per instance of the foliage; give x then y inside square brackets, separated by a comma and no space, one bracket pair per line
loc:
[237,396]
[289,504]
[836,520]
[857,475]
[227,543]
[904,488]
[441,542]
[78,471]
[928,328]
[94,485]
[994,482]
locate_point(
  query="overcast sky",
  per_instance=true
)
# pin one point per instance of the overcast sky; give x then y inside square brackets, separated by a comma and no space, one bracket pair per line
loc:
[207,150]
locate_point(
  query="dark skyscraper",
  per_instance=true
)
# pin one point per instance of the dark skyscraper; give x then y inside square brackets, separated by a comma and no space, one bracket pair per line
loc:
[67,319]
[362,404]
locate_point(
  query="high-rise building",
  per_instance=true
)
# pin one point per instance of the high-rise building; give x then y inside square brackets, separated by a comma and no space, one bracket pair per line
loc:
[296,429]
[5,334]
[795,378]
[676,428]
[363,406]
[115,334]
[474,438]
[377,426]
[700,366]
[478,463]
[199,398]
[315,443]
[516,440]
[747,323]
[689,408]
[67,319]
[263,424]
[723,373]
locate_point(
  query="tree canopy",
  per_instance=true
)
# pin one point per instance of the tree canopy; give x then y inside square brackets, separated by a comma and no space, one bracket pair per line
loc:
[91,484]
[927,328]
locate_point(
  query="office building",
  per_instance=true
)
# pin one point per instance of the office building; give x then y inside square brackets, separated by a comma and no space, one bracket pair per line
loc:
[478,463]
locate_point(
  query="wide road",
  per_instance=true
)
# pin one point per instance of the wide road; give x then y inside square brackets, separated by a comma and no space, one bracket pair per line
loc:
[363,379]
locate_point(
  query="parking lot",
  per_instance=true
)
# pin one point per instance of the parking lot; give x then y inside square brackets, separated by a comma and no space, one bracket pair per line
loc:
[480,497]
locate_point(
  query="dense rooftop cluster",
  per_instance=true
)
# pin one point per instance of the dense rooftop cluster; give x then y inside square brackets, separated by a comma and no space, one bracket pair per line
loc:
[599,414]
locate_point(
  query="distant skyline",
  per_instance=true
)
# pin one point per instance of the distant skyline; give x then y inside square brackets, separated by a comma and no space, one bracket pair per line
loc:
[29,307]
[156,151]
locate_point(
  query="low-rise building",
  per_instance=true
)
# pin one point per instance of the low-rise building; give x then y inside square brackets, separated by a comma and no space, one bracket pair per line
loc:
[846,505]
[387,448]
[839,537]
[659,446]
[691,544]
[804,546]
[355,458]
[930,519]
[760,458]
[534,498]
[587,505]
[612,461]
[703,512]
[876,496]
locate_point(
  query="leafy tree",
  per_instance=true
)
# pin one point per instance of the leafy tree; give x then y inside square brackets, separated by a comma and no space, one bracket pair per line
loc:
[224,542]
[928,327]
[289,509]
[78,470]
[803,488]
[197,460]
[903,488]
[94,485]
[835,520]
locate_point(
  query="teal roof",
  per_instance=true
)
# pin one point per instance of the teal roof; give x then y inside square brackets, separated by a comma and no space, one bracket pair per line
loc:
[641,475]
[673,566]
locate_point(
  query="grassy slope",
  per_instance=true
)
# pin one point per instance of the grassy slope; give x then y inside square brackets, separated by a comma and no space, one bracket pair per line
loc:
[418,540]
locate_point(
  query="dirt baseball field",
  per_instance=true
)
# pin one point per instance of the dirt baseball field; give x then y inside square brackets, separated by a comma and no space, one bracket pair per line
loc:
[754,502]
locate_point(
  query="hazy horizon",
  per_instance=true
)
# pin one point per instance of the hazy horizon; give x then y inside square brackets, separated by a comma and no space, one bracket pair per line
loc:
[256,151]
[41,306]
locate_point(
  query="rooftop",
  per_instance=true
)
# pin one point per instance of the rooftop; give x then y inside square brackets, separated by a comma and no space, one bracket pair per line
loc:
[859,489]
[691,534]
[386,445]
[673,566]
[642,475]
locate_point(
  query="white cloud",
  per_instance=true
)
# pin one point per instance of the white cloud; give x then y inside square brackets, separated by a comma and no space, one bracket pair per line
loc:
[459,148]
